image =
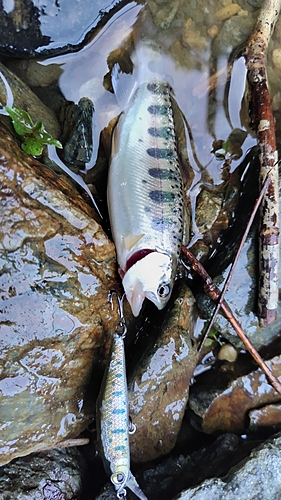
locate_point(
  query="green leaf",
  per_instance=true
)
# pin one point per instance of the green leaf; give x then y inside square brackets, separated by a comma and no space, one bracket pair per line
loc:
[225,145]
[22,122]
[35,135]
[32,146]
[209,342]
[42,135]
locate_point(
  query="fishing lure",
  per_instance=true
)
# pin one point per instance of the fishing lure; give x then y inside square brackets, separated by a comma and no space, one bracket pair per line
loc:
[114,425]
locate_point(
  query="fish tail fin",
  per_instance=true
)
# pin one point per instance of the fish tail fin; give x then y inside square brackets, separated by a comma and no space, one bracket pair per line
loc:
[148,66]
[123,85]
[148,60]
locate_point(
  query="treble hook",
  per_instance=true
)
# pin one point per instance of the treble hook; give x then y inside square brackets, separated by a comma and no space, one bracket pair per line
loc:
[121,328]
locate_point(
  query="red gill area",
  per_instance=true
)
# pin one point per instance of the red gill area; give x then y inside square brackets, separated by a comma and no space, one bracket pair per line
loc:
[139,255]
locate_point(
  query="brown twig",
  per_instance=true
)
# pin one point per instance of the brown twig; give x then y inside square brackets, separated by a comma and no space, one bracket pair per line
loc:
[246,232]
[262,122]
[214,294]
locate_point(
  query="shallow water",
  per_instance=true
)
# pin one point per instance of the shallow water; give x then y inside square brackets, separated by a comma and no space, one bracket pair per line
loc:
[188,69]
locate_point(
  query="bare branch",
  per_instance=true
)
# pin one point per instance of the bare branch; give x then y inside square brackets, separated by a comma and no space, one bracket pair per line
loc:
[214,294]
[263,123]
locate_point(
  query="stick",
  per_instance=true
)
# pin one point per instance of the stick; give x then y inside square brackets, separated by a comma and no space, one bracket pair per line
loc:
[246,232]
[263,123]
[214,294]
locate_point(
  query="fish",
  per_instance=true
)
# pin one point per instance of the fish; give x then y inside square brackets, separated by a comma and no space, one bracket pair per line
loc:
[113,421]
[145,189]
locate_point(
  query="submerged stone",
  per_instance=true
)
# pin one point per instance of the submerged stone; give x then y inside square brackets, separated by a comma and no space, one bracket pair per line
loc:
[31,28]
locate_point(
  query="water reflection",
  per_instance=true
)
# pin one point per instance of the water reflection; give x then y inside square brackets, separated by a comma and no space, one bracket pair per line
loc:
[199,76]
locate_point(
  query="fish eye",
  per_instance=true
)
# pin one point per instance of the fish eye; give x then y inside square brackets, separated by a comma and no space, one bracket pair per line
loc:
[164,290]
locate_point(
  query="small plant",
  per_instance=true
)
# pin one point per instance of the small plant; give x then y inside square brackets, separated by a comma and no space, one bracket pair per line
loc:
[220,149]
[214,335]
[34,135]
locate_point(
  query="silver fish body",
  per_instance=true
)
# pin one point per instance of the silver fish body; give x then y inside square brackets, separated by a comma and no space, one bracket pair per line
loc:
[113,422]
[145,194]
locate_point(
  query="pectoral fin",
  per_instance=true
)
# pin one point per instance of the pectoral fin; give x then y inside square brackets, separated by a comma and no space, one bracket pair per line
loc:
[131,240]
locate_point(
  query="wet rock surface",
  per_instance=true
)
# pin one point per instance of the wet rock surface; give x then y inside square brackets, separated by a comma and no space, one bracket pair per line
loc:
[52,475]
[79,145]
[225,467]
[173,474]
[159,386]
[46,27]
[256,478]
[57,266]
[241,295]
[24,98]
[265,417]
[225,408]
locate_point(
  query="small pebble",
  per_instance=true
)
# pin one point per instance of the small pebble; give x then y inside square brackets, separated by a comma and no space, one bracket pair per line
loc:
[227,353]
[213,31]
[243,13]
[276,58]
[276,102]
[227,12]
[192,38]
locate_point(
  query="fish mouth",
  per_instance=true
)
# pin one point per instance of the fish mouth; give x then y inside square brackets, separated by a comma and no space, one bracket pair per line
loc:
[146,278]
[136,298]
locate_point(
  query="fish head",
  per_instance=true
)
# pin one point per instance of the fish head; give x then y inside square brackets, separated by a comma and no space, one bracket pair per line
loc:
[151,277]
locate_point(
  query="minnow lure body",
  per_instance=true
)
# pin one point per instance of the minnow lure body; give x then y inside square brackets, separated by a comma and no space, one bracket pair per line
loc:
[145,192]
[113,419]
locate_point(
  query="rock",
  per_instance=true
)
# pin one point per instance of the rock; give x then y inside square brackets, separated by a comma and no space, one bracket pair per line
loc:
[227,353]
[192,38]
[255,3]
[208,207]
[276,58]
[234,32]
[176,473]
[78,148]
[243,13]
[225,2]
[57,266]
[224,408]
[35,74]
[213,31]
[24,98]
[108,493]
[226,12]
[158,390]
[163,13]
[50,28]
[268,416]
[52,475]
[256,478]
